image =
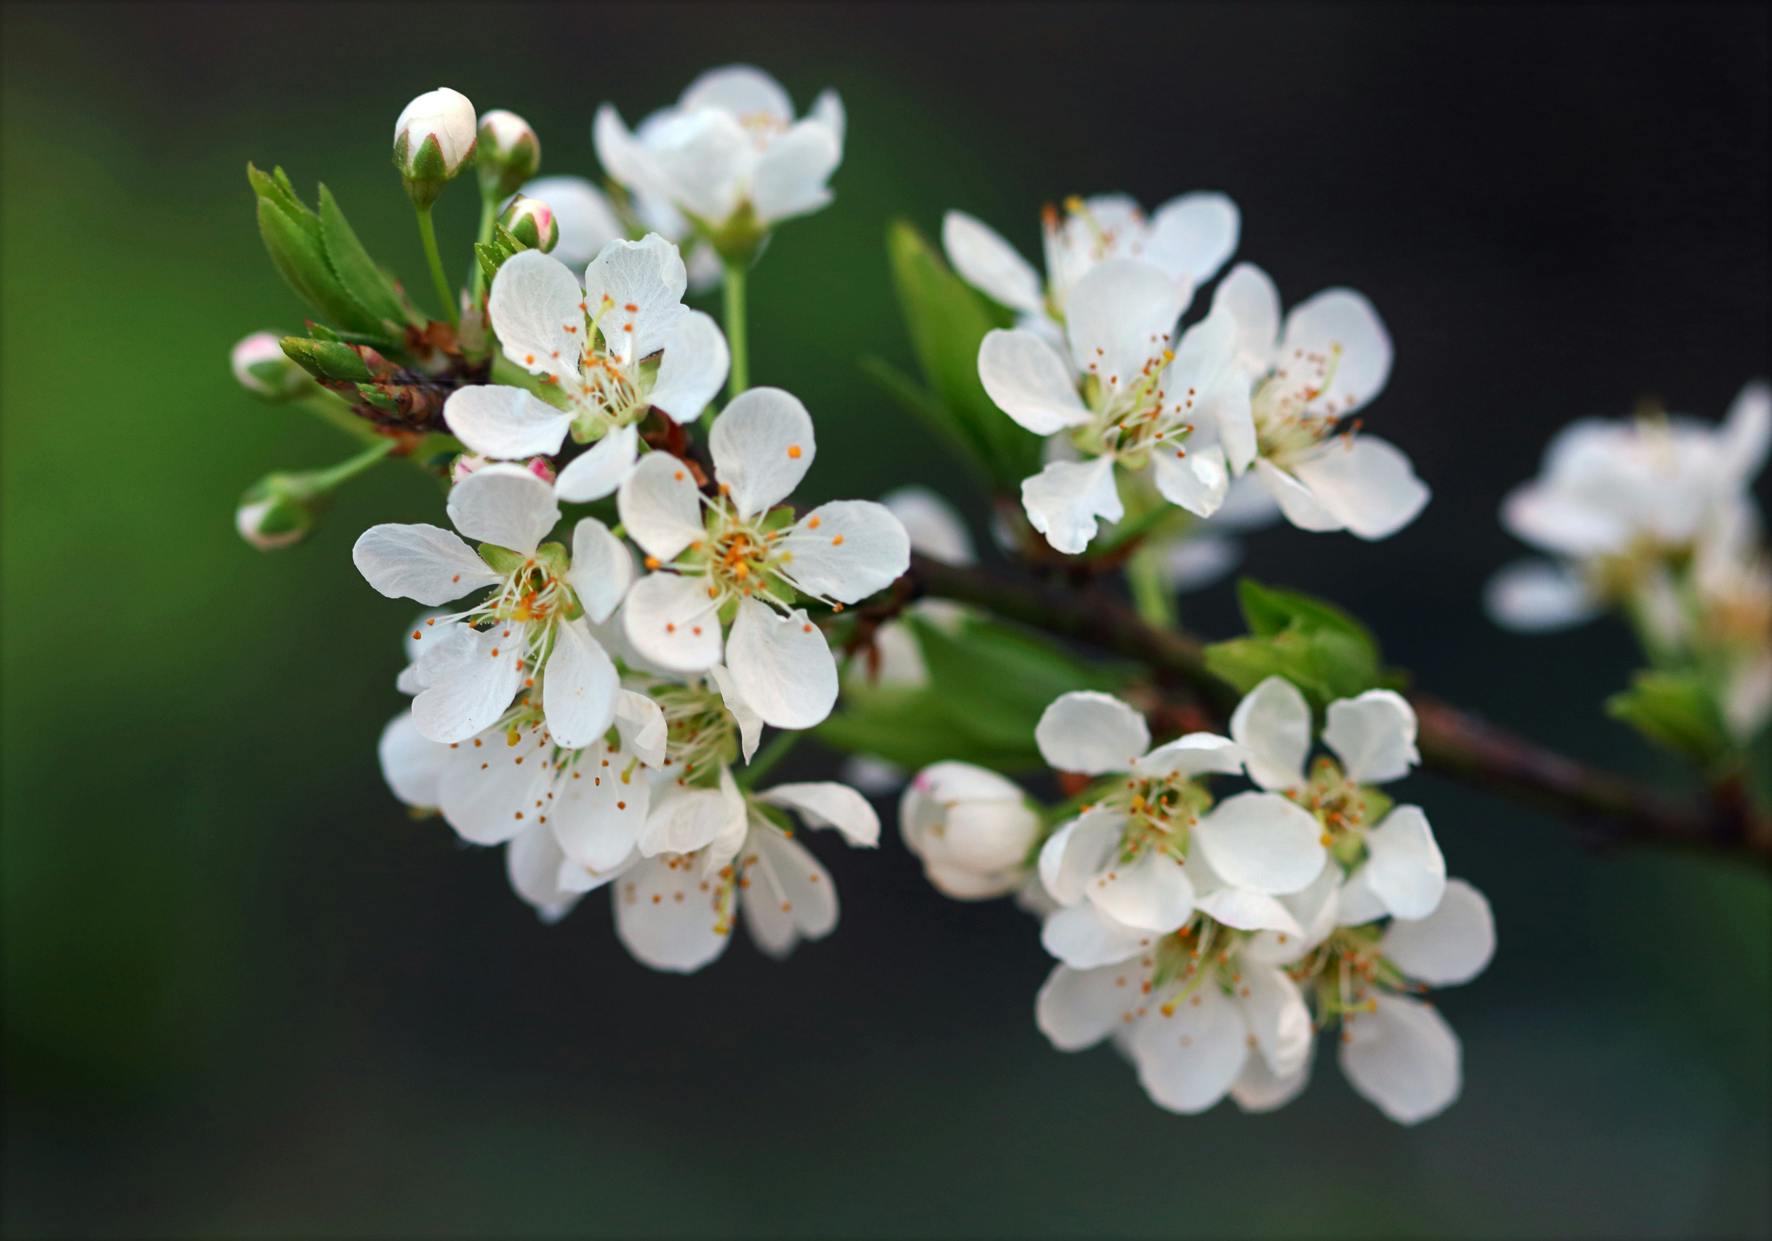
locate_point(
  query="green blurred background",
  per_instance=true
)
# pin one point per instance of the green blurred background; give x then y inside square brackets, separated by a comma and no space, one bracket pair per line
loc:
[246,995]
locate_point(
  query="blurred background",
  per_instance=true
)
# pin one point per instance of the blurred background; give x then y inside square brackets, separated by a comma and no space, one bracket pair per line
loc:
[246,995]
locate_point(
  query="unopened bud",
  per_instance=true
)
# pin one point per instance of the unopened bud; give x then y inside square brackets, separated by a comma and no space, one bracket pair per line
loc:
[433,140]
[973,829]
[263,369]
[509,153]
[531,221]
[273,514]
[468,463]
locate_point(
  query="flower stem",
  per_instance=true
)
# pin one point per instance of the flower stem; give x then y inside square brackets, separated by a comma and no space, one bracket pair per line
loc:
[488,217]
[336,412]
[733,288]
[349,468]
[427,233]
[1151,594]
[768,757]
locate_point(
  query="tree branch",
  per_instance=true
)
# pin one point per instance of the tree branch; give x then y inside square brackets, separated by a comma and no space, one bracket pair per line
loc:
[1608,808]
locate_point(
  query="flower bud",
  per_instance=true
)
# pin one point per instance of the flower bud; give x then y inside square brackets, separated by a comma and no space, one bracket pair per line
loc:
[273,514]
[531,221]
[433,140]
[263,369]
[467,463]
[508,154]
[973,829]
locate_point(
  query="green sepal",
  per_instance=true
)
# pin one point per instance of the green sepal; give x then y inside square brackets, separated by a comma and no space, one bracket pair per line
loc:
[375,397]
[554,557]
[327,359]
[947,320]
[1676,711]
[502,560]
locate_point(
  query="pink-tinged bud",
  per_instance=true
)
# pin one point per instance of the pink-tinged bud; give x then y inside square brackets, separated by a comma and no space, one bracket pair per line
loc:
[508,154]
[973,829]
[542,468]
[263,369]
[274,513]
[433,141]
[531,221]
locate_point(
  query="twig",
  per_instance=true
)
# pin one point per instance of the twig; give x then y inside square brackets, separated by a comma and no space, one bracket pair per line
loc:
[1609,807]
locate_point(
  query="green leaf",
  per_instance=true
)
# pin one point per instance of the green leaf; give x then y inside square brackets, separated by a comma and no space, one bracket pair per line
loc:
[1677,711]
[1005,677]
[359,275]
[293,237]
[326,359]
[946,320]
[1321,649]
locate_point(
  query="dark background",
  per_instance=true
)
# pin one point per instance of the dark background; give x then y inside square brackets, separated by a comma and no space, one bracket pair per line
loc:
[245,995]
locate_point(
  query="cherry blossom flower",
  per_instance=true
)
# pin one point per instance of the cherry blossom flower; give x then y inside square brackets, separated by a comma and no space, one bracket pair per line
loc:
[1150,846]
[1616,500]
[1188,239]
[1396,864]
[531,633]
[1312,373]
[729,155]
[972,828]
[738,561]
[675,910]
[588,221]
[613,351]
[1123,394]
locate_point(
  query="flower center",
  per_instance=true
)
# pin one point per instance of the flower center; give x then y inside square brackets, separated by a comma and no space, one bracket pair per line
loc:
[700,734]
[1288,421]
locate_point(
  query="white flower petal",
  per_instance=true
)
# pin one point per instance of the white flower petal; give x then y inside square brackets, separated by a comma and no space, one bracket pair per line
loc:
[1194,754]
[600,469]
[782,666]
[1064,501]
[1366,482]
[1248,911]
[692,369]
[1275,1010]
[1341,324]
[491,791]
[1195,481]
[1120,317]
[644,732]
[762,445]
[845,550]
[1315,910]
[1074,853]
[504,505]
[1249,294]
[989,264]
[1198,560]
[1452,945]
[1193,236]
[421,562]
[1403,1058]
[1091,733]
[750,724]
[585,218]
[744,91]
[1187,1062]
[672,623]
[599,812]
[665,918]
[701,161]
[1373,736]
[1746,433]
[790,177]
[1297,502]
[1028,380]
[1083,937]
[1535,596]
[824,803]
[828,108]
[660,506]
[789,895]
[411,763]
[578,687]
[602,569]
[534,300]
[934,526]
[532,864]
[1273,722]
[1262,842]
[470,678]
[634,290]
[622,157]
[1404,867]
[1258,1090]
[1153,894]
[1078,1008]
[684,820]
[505,422]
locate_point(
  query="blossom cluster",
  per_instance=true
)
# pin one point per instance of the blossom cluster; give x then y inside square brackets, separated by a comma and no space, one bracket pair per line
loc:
[1212,935]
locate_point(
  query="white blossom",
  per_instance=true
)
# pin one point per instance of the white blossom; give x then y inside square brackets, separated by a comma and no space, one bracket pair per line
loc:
[972,828]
